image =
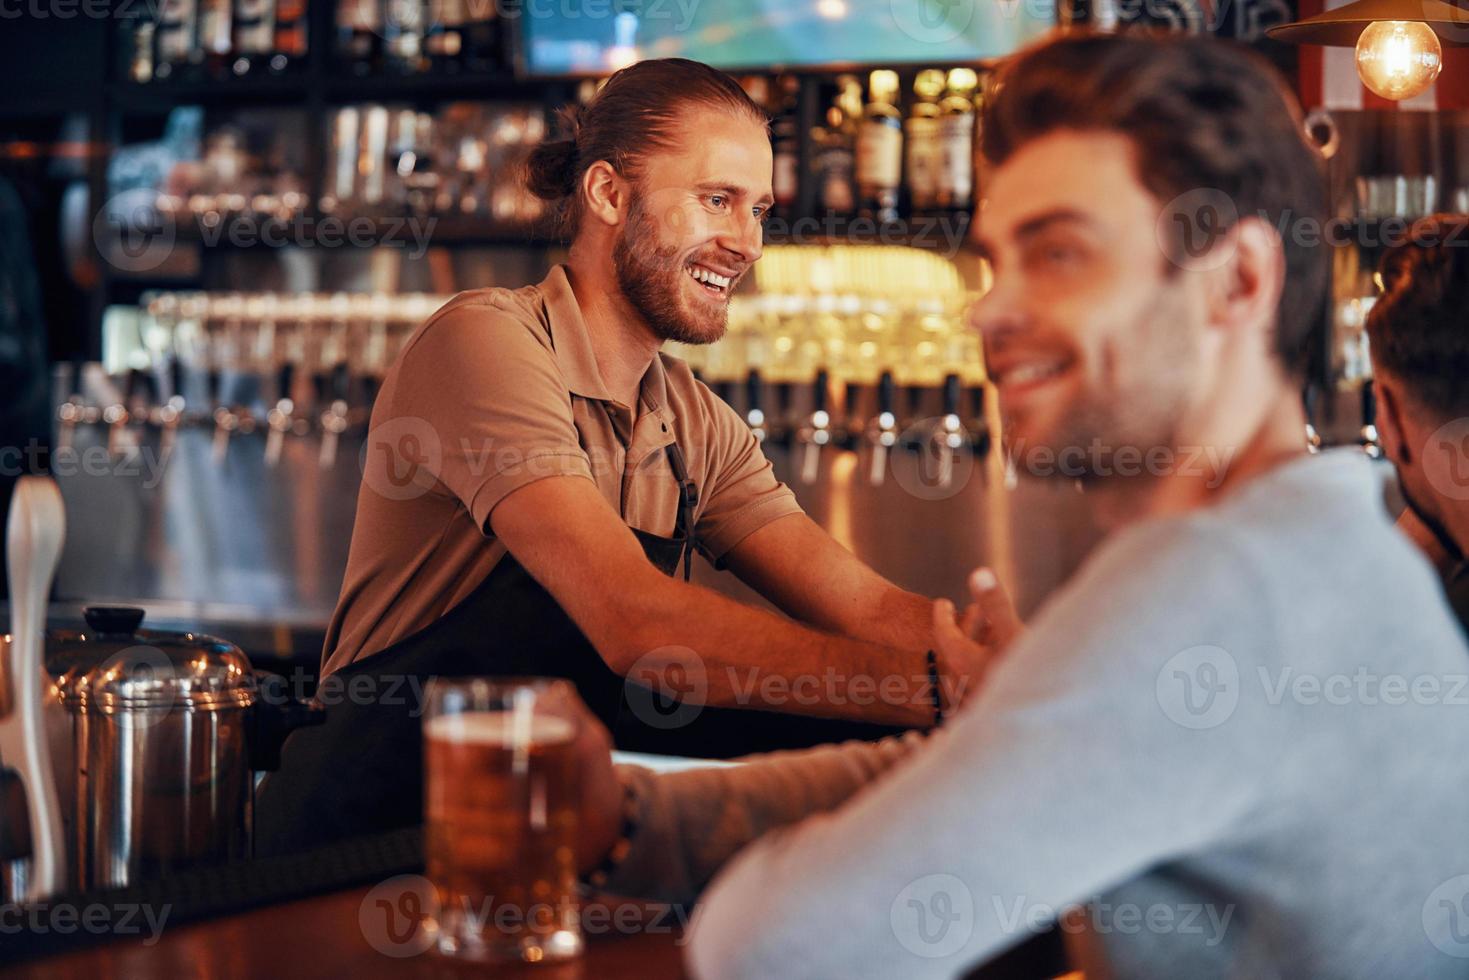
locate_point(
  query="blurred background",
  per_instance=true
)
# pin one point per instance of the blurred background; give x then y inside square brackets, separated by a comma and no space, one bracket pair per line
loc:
[219,219]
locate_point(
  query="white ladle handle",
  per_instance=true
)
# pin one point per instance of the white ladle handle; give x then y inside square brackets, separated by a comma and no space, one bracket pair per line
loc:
[34,534]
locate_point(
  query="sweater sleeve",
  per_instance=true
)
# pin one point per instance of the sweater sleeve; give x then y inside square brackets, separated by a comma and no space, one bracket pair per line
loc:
[691,822]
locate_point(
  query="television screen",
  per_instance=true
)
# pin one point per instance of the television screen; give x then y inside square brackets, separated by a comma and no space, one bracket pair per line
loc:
[593,37]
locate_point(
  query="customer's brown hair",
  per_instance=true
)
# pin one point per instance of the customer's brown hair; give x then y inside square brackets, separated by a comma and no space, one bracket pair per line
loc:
[1418,328]
[1203,115]
[636,112]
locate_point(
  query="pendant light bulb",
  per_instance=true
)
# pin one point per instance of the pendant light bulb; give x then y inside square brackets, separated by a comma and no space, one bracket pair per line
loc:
[1398,59]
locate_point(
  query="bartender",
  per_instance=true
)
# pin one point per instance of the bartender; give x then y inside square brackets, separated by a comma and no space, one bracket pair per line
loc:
[538,475]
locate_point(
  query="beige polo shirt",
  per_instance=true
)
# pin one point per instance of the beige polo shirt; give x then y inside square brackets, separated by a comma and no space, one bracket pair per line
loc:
[498,389]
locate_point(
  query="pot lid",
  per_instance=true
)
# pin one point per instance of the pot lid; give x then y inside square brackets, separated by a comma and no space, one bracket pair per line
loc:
[113,664]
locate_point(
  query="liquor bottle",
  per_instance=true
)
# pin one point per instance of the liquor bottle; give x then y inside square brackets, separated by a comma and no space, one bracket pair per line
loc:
[443,39]
[359,41]
[835,161]
[403,36]
[923,143]
[254,35]
[955,189]
[212,50]
[174,38]
[290,35]
[483,45]
[880,149]
[140,60]
[784,137]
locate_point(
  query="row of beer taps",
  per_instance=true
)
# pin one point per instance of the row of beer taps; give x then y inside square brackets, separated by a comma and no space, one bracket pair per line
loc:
[241,363]
[869,418]
[311,364]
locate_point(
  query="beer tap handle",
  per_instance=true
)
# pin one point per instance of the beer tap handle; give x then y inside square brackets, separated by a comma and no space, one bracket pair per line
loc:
[1369,440]
[979,420]
[953,389]
[817,431]
[851,393]
[333,424]
[781,427]
[1308,403]
[279,419]
[176,377]
[882,434]
[755,405]
[340,384]
[285,378]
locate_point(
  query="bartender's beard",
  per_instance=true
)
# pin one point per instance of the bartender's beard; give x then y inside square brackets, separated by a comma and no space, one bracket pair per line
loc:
[651,276]
[1435,526]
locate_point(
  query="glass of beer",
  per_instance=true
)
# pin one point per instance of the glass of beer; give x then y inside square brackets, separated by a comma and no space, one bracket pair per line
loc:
[500,802]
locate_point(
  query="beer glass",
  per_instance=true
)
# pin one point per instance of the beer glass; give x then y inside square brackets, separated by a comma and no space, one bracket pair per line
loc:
[500,802]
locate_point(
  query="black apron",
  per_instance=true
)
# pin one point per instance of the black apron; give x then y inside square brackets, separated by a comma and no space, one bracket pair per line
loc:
[362,770]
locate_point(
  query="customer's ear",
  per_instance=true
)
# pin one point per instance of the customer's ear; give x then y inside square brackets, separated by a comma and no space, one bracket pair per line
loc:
[1391,430]
[1247,286]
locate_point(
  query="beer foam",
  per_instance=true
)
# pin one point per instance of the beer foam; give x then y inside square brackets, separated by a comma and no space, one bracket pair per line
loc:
[502,728]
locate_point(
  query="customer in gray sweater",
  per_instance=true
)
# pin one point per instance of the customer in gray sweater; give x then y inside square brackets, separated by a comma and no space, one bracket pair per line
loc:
[1234,745]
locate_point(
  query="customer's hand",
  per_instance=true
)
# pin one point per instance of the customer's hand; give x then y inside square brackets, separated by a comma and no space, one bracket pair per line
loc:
[600,815]
[969,643]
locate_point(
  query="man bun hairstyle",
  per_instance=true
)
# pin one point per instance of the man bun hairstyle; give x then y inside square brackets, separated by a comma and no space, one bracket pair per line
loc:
[1417,327]
[1207,118]
[635,113]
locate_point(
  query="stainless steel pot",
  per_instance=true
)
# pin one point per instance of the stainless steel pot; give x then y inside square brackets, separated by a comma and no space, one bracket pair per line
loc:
[154,746]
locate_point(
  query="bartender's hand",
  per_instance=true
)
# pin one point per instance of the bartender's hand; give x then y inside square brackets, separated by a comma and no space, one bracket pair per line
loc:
[969,643]
[600,816]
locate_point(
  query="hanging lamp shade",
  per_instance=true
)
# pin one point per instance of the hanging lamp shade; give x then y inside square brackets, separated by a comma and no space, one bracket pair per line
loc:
[1340,28]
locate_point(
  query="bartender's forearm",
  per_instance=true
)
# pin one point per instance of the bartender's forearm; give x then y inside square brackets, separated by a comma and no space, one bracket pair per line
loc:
[640,620]
[751,658]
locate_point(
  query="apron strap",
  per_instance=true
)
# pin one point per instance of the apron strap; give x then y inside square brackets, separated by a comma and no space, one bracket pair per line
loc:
[688,498]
